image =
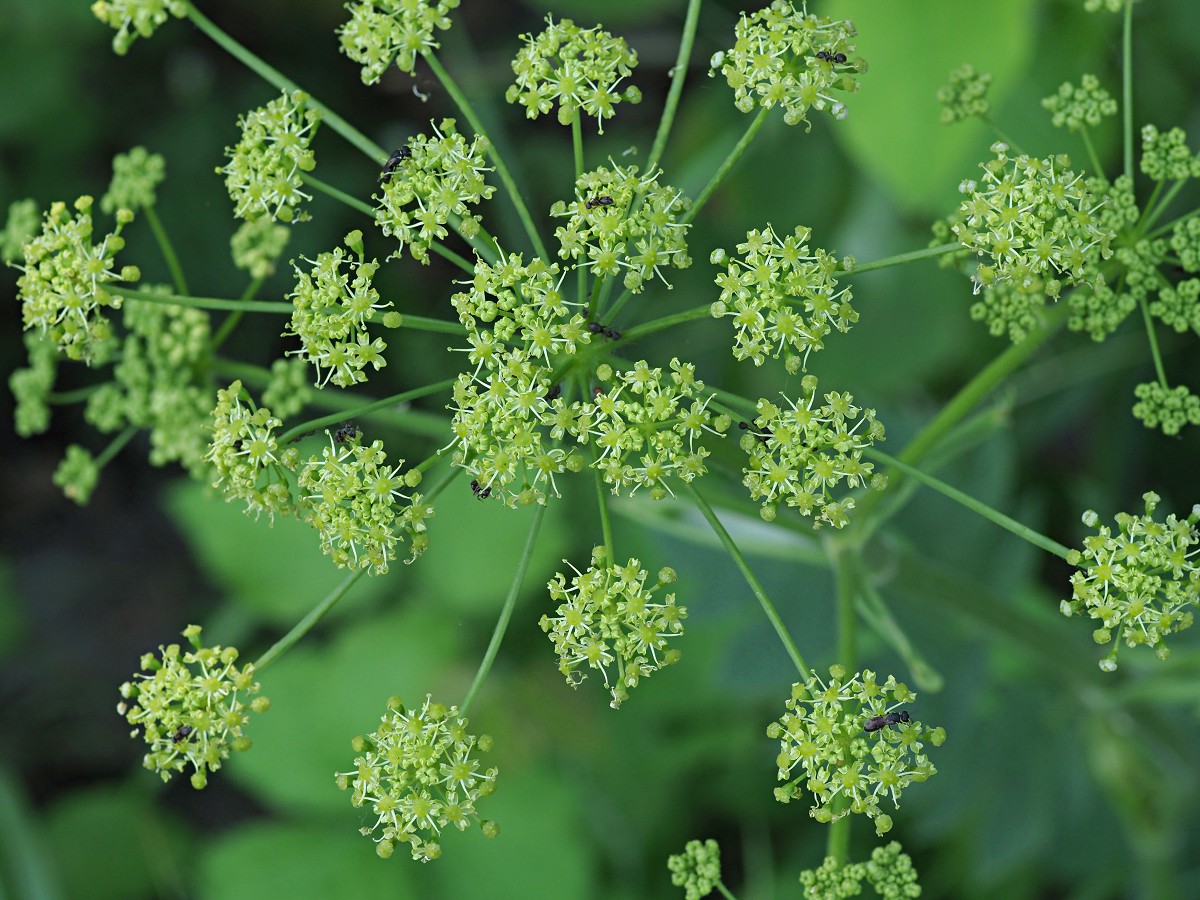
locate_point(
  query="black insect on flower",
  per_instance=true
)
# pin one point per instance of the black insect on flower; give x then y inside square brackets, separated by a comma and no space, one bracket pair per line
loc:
[762,436]
[611,333]
[554,393]
[593,202]
[346,432]
[394,160]
[479,491]
[875,723]
[838,58]
[182,734]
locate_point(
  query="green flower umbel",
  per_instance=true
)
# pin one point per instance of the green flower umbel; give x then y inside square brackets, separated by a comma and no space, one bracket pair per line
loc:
[419,772]
[135,18]
[1139,581]
[851,739]
[191,707]
[697,869]
[386,31]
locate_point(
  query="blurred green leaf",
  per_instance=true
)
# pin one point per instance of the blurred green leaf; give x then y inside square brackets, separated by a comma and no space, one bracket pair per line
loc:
[25,869]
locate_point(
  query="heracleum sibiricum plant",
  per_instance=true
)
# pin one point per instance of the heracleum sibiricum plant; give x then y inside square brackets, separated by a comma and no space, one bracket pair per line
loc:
[545,395]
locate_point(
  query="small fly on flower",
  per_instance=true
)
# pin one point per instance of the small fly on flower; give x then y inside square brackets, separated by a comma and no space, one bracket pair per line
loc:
[875,723]
[182,734]
[347,431]
[593,202]
[394,160]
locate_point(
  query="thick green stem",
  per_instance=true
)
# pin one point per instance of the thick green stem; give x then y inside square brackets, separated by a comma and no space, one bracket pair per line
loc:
[752,580]
[577,144]
[506,611]
[339,195]
[424,323]
[648,328]
[901,258]
[678,74]
[306,624]
[1155,354]
[277,78]
[254,306]
[1127,87]
[167,249]
[115,446]
[365,409]
[506,178]
[734,155]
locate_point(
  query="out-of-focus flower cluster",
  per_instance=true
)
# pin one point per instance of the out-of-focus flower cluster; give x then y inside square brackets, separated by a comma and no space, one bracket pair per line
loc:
[781,294]
[579,69]
[136,18]
[381,32]
[1166,408]
[136,176]
[608,619]
[620,221]
[1085,106]
[419,772]
[965,96]
[801,452]
[784,56]
[191,707]
[1139,580]
[833,744]
[889,871]
[697,869]
[439,178]
[265,168]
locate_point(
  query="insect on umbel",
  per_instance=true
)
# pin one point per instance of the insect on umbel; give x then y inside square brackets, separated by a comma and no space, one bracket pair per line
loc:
[875,723]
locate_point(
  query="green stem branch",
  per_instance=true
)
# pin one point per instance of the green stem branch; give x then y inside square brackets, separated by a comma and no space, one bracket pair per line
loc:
[678,74]
[306,624]
[365,409]
[902,258]
[734,155]
[167,250]
[257,306]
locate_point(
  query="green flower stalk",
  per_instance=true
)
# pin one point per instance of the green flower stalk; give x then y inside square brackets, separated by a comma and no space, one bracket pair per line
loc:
[191,707]
[1078,108]
[265,168]
[607,619]
[136,18]
[418,773]
[439,178]
[785,57]
[620,221]
[801,452]
[780,294]
[245,453]
[62,285]
[965,96]
[1139,580]
[578,69]
[848,744]
[332,309]
[697,869]
[382,32]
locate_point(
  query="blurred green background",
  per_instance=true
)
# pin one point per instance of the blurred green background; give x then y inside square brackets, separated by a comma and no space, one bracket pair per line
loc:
[1054,782]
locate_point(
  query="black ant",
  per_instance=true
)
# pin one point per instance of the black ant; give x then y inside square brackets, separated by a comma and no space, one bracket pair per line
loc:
[481,492]
[394,160]
[593,202]
[554,393]
[611,333]
[346,432]
[875,723]
[838,58]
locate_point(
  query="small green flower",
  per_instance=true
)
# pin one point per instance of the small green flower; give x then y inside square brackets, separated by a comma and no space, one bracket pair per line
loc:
[1166,408]
[332,309]
[965,96]
[22,224]
[190,706]
[1140,581]
[1032,219]
[1166,157]
[63,277]
[381,32]
[800,453]
[417,773]
[136,174]
[577,68]
[697,869]
[265,170]
[352,496]
[257,245]
[607,619]
[619,221]
[245,454]
[1081,107]
[441,178]
[784,56]
[77,475]
[135,18]
[781,294]
[827,751]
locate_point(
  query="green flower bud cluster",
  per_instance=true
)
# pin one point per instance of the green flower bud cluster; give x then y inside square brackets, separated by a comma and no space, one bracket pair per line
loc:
[62,282]
[441,178]
[801,453]
[784,56]
[697,869]
[135,18]
[155,385]
[351,496]
[331,310]
[136,175]
[264,172]
[618,220]
[417,773]
[1080,107]
[190,706]
[22,224]
[1033,219]
[257,245]
[287,391]
[826,750]
[244,451]
[1139,581]
[781,294]
[648,429]
[577,68]
[31,385]
[77,475]
[1178,306]
[1166,157]
[965,96]
[889,872]
[1012,309]
[607,615]
[381,32]
[1166,408]
[1185,241]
